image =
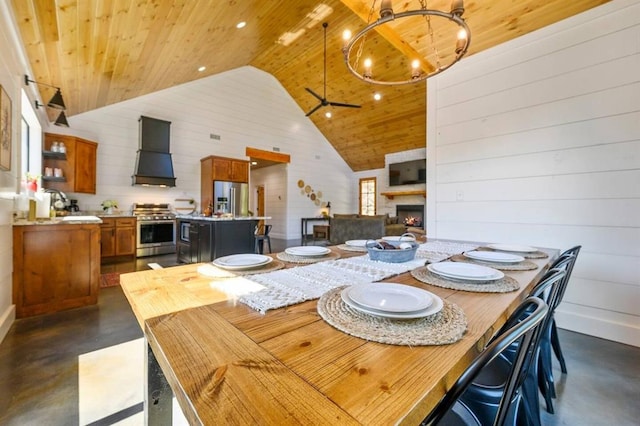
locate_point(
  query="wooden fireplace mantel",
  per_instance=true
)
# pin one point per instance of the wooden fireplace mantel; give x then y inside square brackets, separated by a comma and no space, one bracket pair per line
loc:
[391,195]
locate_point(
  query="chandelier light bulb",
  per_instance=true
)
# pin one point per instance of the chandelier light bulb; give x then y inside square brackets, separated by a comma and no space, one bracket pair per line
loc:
[415,68]
[367,68]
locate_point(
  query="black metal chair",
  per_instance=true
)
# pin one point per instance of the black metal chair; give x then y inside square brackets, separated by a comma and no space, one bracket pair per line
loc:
[262,235]
[565,262]
[555,341]
[502,406]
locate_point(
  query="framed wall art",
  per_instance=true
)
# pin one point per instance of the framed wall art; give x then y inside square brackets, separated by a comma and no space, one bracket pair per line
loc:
[5,130]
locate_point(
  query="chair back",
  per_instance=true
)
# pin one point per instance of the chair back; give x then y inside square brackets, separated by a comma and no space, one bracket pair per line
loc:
[263,230]
[523,326]
[572,253]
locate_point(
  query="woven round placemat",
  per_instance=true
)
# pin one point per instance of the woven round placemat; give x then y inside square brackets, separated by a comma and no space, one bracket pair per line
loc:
[211,270]
[525,265]
[532,255]
[346,247]
[304,259]
[503,285]
[445,327]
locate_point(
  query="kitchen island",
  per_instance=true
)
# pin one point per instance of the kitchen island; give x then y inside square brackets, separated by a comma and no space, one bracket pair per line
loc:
[56,264]
[203,239]
[226,362]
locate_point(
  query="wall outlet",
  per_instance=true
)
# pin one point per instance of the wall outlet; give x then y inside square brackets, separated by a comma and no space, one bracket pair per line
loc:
[214,136]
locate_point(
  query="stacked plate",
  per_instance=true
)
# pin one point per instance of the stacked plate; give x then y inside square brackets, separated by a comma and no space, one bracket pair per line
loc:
[356,243]
[512,248]
[465,271]
[308,251]
[236,262]
[494,256]
[391,300]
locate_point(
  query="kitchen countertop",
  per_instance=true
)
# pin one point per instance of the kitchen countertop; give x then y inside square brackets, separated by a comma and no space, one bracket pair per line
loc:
[55,221]
[221,218]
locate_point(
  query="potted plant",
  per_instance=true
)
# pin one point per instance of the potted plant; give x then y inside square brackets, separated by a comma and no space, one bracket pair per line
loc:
[109,205]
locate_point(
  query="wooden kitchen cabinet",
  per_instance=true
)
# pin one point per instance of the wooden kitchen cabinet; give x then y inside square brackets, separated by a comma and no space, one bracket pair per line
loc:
[214,168]
[78,164]
[55,267]
[118,237]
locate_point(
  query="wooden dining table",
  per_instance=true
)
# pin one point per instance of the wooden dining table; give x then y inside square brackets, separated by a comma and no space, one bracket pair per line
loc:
[227,363]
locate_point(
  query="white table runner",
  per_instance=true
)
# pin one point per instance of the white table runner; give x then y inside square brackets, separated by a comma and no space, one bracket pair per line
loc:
[286,287]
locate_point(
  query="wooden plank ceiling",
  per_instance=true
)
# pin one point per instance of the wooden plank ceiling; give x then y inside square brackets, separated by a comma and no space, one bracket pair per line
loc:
[105,51]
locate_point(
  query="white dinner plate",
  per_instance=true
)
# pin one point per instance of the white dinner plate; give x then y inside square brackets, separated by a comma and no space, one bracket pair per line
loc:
[307,251]
[493,256]
[512,247]
[434,308]
[356,243]
[390,297]
[241,261]
[465,271]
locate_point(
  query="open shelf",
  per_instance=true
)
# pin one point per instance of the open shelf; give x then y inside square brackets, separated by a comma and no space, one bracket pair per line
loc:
[53,179]
[54,155]
[391,195]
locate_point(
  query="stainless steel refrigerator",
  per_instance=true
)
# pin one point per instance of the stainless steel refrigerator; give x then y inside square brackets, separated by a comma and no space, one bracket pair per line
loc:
[231,197]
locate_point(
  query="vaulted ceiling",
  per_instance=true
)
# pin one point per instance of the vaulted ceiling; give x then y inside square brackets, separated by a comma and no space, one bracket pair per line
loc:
[102,52]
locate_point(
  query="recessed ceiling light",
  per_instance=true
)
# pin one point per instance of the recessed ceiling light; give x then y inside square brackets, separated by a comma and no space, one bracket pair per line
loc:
[241,24]
[202,68]
[377,96]
[254,163]
[327,114]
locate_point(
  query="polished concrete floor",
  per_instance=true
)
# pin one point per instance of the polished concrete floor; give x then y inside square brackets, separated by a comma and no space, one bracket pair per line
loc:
[83,367]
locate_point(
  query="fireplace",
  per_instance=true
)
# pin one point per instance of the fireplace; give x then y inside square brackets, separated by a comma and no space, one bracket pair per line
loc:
[411,214]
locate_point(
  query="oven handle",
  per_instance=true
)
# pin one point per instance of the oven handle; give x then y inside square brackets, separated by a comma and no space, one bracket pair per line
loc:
[153,222]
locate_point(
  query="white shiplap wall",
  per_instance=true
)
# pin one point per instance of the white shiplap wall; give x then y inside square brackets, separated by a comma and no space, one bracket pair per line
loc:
[246,107]
[537,142]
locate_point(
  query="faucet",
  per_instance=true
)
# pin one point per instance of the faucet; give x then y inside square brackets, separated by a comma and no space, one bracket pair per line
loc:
[57,194]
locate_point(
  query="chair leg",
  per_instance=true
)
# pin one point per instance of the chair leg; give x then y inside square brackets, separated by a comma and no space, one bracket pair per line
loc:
[555,343]
[544,388]
[269,244]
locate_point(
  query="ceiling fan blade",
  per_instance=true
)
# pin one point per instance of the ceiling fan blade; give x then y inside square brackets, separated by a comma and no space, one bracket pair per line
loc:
[314,94]
[338,104]
[313,110]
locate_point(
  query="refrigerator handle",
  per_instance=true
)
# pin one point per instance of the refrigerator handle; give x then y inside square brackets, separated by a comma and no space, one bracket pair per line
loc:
[232,204]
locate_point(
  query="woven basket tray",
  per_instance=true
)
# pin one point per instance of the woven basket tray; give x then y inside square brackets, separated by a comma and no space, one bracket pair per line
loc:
[391,256]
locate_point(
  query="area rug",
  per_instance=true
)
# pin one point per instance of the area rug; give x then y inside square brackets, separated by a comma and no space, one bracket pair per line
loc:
[110,279]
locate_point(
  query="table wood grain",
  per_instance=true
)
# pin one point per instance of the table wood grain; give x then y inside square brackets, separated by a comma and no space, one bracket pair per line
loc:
[227,363]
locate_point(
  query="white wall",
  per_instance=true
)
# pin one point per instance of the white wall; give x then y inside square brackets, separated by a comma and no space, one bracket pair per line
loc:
[537,141]
[246,107]
[274,181]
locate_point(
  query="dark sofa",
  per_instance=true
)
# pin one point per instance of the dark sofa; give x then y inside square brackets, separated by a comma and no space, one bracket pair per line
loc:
[345,227]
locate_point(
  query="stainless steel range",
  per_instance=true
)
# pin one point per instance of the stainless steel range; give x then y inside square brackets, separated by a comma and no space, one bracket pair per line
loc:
[156,229]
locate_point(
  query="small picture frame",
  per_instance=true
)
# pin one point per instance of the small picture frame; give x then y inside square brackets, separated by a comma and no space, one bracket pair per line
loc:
[5,130]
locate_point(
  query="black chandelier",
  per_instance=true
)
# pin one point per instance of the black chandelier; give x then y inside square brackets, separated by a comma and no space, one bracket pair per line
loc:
[421,68]
[56,102]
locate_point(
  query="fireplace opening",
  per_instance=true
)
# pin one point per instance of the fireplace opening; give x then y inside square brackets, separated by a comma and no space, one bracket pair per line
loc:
[411,214]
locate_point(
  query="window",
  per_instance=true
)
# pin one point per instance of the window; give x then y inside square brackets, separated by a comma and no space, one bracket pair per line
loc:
[26,151]
[368,196]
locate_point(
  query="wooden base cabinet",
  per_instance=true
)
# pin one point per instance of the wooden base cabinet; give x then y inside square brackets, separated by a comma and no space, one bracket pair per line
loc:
[118,237]
[55,267]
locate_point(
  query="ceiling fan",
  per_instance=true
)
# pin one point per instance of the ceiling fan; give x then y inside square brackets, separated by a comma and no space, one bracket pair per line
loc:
[323,99]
